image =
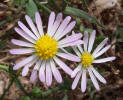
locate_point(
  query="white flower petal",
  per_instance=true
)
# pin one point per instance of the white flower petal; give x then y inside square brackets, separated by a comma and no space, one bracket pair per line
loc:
[85,39]
[37,65]
[101,51]
[42,71]
[50,22]
[93,79]
[48,74]
[24,62]
[26,67]
[62,27]
[83,81]
[56,24]
[76,70]
[39,23]
[63,65]
[22,51]
[104,60]
[76,80]
[34,76]
[77,42]
[100,46]
[21,43]
[25,71]
[91,41]
[56,72]
[32,26]
[76,51]
[68,53]
[64,50]
[70,38]
[66,30]
[80,48]
[68,57]
[26,30]
[24,35]
[100,78]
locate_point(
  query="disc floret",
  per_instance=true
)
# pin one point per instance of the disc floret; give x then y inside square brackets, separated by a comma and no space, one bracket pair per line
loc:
[86,59]
[46,47]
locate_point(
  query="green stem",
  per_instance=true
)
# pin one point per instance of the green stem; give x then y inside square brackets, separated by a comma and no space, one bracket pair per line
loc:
[21,87]
[4,67]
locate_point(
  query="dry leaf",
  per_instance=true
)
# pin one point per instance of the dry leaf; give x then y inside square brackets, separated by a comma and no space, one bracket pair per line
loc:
[103,4]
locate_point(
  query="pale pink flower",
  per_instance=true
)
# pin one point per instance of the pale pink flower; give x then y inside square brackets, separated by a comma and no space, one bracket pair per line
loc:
[87,58]
[45,48]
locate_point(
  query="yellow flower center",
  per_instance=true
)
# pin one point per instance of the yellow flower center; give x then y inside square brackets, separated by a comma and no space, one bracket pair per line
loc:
[46,47]
[86,59]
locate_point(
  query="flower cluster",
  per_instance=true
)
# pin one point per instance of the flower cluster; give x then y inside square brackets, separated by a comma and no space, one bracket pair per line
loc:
[46,49]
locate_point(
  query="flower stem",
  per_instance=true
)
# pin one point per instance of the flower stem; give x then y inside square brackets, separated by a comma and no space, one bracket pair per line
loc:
[4,67]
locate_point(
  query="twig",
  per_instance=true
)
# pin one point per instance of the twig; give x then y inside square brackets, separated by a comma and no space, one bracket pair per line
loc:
[5,58]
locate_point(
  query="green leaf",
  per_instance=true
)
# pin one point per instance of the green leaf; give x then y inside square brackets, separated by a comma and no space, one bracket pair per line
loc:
[69,49]
[26,98]
[78,22]
[3,67]
[92,93]
[36,92]
[82,14]
[88,30]
[31,9]
[82,30]
[2,44]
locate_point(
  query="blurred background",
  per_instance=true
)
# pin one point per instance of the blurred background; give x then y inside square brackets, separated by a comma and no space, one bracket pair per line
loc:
[105,16]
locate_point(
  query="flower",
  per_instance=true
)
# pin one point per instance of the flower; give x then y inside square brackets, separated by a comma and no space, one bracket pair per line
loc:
[87,59]
[45,48]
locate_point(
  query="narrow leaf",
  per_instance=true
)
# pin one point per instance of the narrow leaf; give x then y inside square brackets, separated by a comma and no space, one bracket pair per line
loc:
[82,14]
[31,9]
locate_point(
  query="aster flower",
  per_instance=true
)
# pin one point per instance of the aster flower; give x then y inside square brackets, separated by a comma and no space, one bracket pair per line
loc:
[87,58]
[44,48]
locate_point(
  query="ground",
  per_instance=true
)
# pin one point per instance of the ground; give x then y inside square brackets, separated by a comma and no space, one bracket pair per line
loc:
[107,12]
